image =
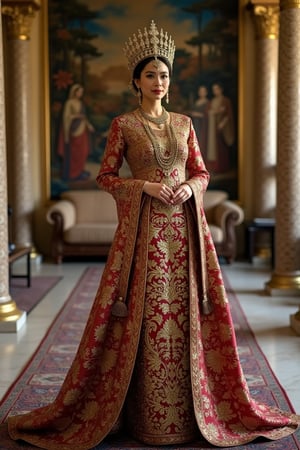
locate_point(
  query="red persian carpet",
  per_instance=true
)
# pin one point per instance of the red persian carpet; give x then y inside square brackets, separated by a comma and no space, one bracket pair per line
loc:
[43,375]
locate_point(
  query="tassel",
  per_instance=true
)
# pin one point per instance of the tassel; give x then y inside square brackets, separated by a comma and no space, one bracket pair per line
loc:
[119,308]
[207,306]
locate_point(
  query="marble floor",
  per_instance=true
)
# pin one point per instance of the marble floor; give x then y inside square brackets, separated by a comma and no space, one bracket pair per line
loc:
[269,318]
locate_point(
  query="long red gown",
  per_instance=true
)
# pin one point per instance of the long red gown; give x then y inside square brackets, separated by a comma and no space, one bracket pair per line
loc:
[74,140]
[169,370]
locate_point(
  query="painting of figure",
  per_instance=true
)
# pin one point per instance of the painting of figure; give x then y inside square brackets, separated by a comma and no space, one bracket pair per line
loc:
[89,82]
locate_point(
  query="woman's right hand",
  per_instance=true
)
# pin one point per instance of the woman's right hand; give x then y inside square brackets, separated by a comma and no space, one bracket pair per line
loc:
[160,191]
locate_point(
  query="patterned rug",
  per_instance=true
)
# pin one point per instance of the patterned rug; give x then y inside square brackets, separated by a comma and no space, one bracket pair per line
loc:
[27,298]
[41,379]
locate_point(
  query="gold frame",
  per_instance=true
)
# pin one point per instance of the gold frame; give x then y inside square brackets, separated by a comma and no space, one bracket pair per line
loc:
[241,105]
[46,97]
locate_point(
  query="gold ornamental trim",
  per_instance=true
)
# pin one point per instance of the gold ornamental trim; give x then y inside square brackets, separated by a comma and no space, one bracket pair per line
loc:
[266,19]
[289,4]
[19,15]
[9,312]
[288,284]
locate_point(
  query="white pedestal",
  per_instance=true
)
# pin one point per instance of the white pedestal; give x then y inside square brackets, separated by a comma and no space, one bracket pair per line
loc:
[13,326]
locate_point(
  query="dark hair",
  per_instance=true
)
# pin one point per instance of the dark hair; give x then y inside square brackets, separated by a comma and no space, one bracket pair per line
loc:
[217,83]
[141,65]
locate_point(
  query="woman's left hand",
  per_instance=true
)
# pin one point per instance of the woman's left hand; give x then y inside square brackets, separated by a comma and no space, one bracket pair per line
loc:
[183,193]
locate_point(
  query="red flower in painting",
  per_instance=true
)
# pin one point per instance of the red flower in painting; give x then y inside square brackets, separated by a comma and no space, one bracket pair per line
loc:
[64,34]
[63,79]
[56,107]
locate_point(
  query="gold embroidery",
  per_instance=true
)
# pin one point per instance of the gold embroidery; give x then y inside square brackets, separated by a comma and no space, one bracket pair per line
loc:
[162,376]
[71,396]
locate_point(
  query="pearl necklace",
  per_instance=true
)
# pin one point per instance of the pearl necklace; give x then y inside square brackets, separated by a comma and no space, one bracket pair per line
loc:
[159,121]
[166,162]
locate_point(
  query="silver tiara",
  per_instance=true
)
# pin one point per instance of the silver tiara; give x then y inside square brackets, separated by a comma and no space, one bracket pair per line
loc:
[150,43]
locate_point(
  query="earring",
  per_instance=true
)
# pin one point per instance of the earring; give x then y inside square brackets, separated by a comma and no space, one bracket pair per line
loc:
[139,94]
[167,97]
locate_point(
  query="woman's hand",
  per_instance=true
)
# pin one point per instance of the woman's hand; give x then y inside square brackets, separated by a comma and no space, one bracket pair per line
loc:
[160,191]
[182,194]
[165,194]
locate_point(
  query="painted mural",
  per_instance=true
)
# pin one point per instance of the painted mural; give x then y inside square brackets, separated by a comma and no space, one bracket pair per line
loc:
[89,81]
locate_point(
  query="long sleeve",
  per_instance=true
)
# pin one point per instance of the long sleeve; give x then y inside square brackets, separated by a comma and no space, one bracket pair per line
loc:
[108,177]
[197,172]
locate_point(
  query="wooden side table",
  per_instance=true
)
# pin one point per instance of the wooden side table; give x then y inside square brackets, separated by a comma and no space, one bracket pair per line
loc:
[256,225]
[14,256]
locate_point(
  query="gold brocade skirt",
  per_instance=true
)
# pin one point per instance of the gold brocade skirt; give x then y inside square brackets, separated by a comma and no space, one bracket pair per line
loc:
[159,405]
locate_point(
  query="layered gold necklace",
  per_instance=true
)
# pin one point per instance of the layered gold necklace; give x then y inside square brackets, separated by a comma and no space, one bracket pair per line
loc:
[159,121]
[165,159]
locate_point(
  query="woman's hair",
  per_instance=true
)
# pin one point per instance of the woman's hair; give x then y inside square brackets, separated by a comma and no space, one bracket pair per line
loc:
[74,88]
[139,68]
[219,84]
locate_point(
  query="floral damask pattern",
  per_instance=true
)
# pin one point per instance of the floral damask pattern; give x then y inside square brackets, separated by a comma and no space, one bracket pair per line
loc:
[160,405]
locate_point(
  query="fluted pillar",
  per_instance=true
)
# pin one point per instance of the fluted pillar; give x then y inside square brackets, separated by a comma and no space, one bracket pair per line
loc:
[18,15]
[285,279]
[11,318]
[266,19]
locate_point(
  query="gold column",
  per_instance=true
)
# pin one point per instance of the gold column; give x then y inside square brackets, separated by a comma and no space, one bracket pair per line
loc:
[266,20]
[11,318]
[286,277]
[18,16]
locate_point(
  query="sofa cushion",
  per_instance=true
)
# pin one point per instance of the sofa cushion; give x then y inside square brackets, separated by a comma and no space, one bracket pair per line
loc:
[93,206]
[216,233]
[91,233]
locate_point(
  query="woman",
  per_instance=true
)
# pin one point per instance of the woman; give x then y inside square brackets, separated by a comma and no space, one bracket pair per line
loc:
[74,137]
[199,117]
[221,132]
[158,355]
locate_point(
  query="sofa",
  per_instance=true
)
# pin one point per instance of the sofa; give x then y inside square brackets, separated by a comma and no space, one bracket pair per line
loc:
[84,222]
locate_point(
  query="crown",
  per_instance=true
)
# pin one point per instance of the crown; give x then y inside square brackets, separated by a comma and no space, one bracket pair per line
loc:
[150,43]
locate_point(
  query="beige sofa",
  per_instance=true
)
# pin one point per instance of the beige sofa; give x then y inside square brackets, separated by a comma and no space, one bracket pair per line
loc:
[84,223]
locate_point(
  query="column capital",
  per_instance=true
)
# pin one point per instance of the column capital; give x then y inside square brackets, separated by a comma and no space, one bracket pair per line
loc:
[19,15]
[289,4]
[266,18]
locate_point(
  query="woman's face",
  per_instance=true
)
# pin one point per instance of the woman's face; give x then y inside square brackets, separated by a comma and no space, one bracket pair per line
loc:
[202,92]
[79,92]
[154,81]
[217,90]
